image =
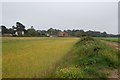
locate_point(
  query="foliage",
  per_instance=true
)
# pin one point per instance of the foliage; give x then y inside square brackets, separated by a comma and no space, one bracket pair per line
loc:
[54,32]
[88,58]
[112,39]
[4,29]
[19,27]
[31,32]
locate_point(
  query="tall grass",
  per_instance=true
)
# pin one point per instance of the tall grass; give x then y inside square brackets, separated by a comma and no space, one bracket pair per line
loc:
[25,57]
[88,59]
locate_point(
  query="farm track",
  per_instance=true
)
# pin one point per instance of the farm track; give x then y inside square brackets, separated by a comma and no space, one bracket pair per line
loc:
[115,73]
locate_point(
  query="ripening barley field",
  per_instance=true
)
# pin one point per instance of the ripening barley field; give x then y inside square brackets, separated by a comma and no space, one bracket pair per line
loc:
[33,57]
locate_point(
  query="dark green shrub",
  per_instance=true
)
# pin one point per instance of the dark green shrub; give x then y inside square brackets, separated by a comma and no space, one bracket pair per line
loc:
[90,56]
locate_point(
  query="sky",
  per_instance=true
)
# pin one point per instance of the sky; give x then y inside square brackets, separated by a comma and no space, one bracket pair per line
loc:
[98,16]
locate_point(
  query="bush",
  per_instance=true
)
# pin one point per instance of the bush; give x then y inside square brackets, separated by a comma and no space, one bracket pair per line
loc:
[90,56]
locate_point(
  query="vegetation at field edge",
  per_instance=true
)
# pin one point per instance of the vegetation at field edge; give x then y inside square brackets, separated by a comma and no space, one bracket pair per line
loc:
[88,59]
[111,39]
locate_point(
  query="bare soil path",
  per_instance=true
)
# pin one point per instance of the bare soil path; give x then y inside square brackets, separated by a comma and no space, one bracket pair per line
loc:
[116,46]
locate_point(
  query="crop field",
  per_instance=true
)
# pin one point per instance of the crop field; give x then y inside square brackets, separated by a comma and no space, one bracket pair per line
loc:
[32,57]
[35,57]
[112,39]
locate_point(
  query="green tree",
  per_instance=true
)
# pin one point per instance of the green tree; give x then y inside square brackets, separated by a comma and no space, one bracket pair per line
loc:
[19,26]
[32,32]
[4,29]
[11,31]
[51,31]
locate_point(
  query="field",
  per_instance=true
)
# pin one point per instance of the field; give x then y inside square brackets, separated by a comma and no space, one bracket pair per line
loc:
[33,57]
[112,39]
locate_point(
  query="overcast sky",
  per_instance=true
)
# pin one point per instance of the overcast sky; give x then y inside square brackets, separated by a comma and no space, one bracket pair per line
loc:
[99,16]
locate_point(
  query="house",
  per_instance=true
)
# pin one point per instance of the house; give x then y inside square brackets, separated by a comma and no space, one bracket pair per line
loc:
[63,34]
[48,35]
[51,35]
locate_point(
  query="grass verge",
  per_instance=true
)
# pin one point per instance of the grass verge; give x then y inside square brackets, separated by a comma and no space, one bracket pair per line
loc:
[112,39]
[88,59]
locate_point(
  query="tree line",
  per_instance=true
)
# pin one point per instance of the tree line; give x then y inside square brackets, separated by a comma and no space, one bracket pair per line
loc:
[43,33]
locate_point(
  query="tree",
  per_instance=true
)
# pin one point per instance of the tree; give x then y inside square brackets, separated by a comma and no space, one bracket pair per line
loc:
[104,34]
[51,31]
[32,32]
[70,32]
[20,28]
[11,31]
[78,34]
[4,29]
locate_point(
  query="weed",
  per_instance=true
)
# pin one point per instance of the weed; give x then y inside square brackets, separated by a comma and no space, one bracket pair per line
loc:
[90,56]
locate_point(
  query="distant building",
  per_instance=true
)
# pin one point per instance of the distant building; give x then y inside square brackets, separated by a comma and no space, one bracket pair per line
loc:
[7,35]
[63,34]
[48,35]
[19,33]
